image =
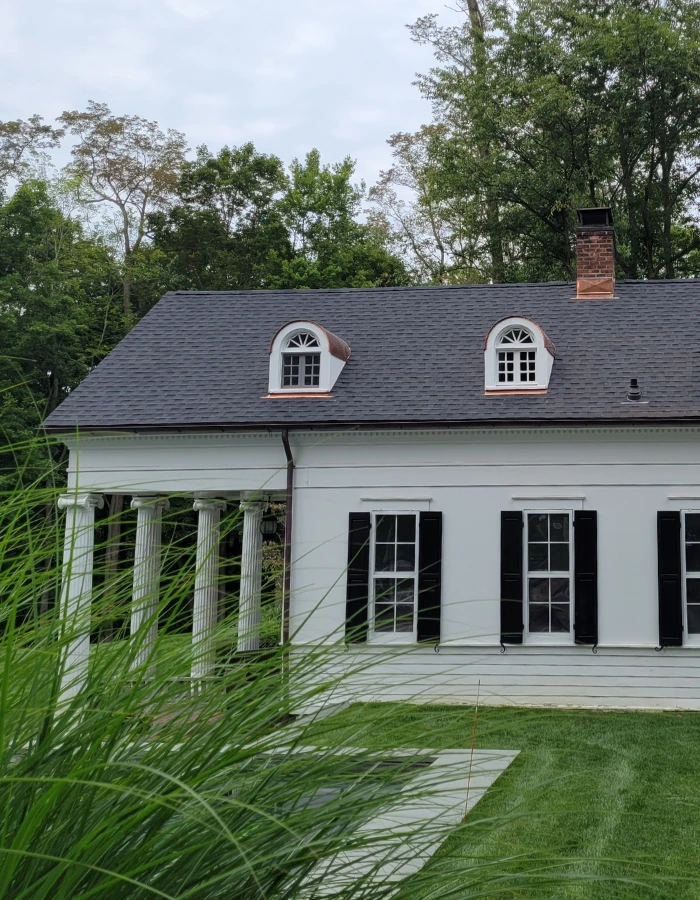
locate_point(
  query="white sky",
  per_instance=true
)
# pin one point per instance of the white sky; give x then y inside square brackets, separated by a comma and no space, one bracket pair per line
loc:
[287,74]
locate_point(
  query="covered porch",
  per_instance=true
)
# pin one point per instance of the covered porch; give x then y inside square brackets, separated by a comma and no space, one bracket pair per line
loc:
[92,466]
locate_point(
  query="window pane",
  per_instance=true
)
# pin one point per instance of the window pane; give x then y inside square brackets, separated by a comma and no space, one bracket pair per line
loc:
[559,527]
[692,557]
[385,558]
[384,590]
[537,557]
[560,590]
[692,526]
[538,590]
[384,617]
[290,370]
[559,558]
[693,619]
[406,558]
[537,527]
[406,528]
[312,370]
[386,528]
[693,590]
[404,617]
[539,617]
[405,590]
[560,618]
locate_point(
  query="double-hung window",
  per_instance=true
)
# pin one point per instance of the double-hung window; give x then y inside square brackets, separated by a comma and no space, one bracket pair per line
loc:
[691,576]
[548,562]
[393,575]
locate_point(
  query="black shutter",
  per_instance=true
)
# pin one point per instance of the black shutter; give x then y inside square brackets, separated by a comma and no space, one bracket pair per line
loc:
[668,530]
[586,577]
[429,575]
[356,598]
[511,577]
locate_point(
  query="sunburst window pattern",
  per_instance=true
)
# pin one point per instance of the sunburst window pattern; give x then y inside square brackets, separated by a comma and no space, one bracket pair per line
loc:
[302,340]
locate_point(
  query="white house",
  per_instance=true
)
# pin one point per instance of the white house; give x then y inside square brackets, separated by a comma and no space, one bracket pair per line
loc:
[484,483]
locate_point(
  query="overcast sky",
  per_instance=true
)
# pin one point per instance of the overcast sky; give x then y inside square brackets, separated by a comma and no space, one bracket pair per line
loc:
[286,74]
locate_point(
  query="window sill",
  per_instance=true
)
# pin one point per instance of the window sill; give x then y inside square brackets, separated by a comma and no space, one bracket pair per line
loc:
[297,395]
[376,640]
[520,391]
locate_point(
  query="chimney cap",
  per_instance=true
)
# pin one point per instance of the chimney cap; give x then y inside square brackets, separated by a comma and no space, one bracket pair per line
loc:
[595,217]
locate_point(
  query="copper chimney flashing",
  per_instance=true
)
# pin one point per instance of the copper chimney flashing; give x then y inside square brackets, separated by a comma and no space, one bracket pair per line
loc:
[595,254]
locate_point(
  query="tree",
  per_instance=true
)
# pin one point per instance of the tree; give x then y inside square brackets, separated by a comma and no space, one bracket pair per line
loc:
[225,231]
[547,106]
[58,315]
[126,162]
[20,140]
[241,223]
[331,248]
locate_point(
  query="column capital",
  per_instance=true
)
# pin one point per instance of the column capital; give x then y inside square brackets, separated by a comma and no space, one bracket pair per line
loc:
[206,503]
[253,505]
[150,500]
[83,500]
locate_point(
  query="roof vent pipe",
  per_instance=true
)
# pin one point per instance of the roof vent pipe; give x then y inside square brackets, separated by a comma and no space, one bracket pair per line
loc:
[634,394]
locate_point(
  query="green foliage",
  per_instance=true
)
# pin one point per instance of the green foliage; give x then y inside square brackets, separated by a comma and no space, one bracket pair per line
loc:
[57,311]
[147,785]
[242,224]
[545,107]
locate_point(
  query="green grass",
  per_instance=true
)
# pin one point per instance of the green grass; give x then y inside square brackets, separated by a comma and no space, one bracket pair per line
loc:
[598,795]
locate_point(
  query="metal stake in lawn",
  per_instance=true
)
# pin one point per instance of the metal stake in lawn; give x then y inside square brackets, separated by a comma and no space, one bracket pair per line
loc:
[471,755]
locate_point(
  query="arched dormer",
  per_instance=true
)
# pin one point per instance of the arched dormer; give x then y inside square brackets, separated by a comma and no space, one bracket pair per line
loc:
[305,358]
[518,356]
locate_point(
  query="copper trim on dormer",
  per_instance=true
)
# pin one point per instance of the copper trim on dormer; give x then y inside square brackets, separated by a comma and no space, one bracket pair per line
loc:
[297,395]
[336,346]
[547,342]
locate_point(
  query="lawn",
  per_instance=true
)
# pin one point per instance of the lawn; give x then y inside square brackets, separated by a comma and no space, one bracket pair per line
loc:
[593,795]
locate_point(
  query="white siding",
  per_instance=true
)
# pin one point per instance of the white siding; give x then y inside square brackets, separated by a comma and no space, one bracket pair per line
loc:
[627,475]
[471,477]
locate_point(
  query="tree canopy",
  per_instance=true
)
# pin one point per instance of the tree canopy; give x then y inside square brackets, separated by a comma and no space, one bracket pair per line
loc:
[542,107]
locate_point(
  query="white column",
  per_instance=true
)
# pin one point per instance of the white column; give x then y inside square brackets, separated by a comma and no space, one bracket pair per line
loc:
[251,577]
[76,589]
[144,605]
[206,586]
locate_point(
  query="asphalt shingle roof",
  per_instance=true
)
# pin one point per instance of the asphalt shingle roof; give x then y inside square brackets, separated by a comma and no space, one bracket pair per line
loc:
[201,359]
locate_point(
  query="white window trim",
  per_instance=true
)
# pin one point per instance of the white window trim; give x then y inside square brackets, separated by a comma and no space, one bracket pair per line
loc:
[539,637]
[543,358]
[385,637]
[689,640]
[328,371]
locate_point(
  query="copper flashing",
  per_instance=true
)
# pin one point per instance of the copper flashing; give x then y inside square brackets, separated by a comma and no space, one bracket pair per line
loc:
[549,346]
[297,395]
[505,392]
[595,288]
[336,345]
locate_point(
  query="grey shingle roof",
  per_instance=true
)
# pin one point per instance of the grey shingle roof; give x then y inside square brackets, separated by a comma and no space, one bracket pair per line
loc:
[201,359]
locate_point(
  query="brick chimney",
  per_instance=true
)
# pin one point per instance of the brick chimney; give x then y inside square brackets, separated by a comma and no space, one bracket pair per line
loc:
[595,254]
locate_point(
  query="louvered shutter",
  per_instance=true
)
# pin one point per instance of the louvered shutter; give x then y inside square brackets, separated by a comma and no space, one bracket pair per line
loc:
[357,593]
[429,576]
[586,577]
[668,530]
[511,577]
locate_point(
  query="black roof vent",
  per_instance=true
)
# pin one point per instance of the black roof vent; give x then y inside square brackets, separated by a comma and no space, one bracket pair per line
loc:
[634,394]
[598,217]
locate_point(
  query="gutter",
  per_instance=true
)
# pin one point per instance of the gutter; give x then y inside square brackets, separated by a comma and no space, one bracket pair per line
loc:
[379,424]
[288,530]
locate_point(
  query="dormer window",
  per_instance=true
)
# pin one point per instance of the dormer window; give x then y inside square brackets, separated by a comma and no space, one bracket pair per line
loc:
[302,368]
[518,356]
[305,358]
